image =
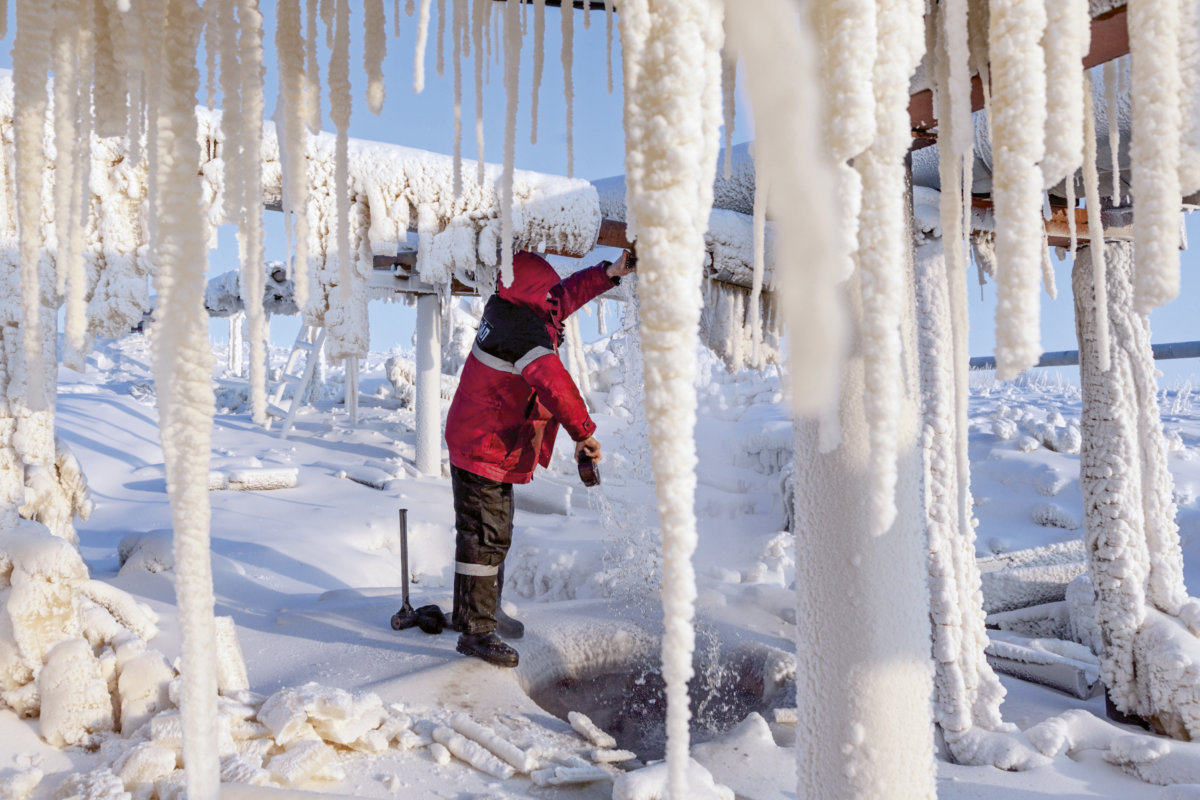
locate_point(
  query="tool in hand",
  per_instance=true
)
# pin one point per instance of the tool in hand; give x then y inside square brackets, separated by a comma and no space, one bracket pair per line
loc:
[589,473]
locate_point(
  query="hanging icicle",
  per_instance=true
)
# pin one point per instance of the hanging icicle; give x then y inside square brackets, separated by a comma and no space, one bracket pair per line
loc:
[539,59]
[312,70]
[290,126]
[182,361]
[459,34]
[1189,95]
[339,112]
[1154,149]
[250,229]
[30,50]
[608,42]
[512,87]
[728,82]
[754,323]
[419,57]
[212,50]
[1112,105]
[1091,195]
[67,262]
[1072,222]
[374,51]
[1068,35]
[480,10]
[1018,121]
[441,37]
[568,57]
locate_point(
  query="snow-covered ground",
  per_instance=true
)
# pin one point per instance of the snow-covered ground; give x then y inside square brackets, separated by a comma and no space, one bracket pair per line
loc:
[311,575]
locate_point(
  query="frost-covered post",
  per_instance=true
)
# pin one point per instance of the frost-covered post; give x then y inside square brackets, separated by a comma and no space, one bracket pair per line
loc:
[863,675]
[428,384]
[967,694]
[1134,556]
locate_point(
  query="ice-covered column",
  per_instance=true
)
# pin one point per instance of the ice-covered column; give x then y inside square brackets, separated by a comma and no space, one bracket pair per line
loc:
[429,384]
[1134,555]
[967,694]
[864,674]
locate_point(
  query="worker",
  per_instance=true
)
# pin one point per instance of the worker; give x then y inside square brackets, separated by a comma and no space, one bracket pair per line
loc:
[513,395]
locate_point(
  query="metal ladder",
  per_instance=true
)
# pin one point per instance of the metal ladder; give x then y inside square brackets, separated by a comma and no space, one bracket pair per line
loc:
[308,344]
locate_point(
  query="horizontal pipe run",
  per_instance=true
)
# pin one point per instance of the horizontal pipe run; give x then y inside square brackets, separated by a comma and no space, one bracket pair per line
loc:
[1070,358]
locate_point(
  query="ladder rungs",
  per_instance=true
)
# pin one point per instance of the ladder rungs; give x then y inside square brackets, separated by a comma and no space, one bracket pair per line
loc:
[302,345]
[289,378]
[276,411]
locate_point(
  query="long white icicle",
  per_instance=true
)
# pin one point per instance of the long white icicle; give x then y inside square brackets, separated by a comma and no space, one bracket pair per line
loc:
[374,51]
[1018,75]
[339,111]
[1155,84]
[183,374]
[1091,195]
[568,59]
[419,56]
[1189,105]
[71,278]
[512,71]
[670,160]
[289,49]
[1112,105]
[250,228]
[1068,34]
[459,34]
[480,10]
[31,50]
[539,60]
[728,82]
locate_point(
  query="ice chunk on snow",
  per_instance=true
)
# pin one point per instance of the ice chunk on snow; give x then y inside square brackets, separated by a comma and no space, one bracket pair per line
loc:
[43,605]
[74,693]
[584,726]
[650,783]
[300,762]
[138,617]
[99,784]
[472,753]
[485,736]
[142,685]
[145,763]
[18,785]
[231,667]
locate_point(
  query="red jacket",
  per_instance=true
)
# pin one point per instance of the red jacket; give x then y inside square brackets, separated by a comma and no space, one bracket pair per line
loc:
[514,391]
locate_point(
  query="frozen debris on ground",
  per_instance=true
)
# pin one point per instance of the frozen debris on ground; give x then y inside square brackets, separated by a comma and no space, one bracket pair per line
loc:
[563,776]
[472,752]
[19,784]
[151,551]
[1030,577]
[231,666]
[253,480]
[588,730]
[650,783]
[521,761]
[1067,666]
[604,756]
[1051,515]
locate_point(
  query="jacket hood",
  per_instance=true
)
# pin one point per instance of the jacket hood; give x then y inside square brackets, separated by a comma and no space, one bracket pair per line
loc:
[533,278]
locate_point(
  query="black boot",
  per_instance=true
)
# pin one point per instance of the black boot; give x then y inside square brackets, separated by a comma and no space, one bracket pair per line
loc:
[506,626]
[489,647]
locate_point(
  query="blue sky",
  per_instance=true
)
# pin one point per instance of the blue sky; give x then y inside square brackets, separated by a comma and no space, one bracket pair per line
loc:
[425,121]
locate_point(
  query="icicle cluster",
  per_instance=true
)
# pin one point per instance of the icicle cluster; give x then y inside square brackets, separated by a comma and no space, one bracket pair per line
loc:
[672,129]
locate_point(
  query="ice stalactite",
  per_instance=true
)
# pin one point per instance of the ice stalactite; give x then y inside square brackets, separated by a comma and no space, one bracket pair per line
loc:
[539,60]
[787,118]
[672,131]
[312,67]
[419,55]
[374,50]
[231,117]
[1091,196]
[967,694]
[568,59]
[212,49]
[728,83]
[346,331]
[109,85]
[882,243]
[183,370]
[512,87]
[761,189]
[1018,74]
[1135,560]
[1068,36]
[1189,67]
[608,42]
[30,50]
[290,120]
[440,65]
[1155,84]
[480,10]
[249,205]
[459,34]
[1112,114]
[69,264]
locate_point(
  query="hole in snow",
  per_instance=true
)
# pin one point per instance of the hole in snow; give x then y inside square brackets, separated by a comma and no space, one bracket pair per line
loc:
[628,700]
